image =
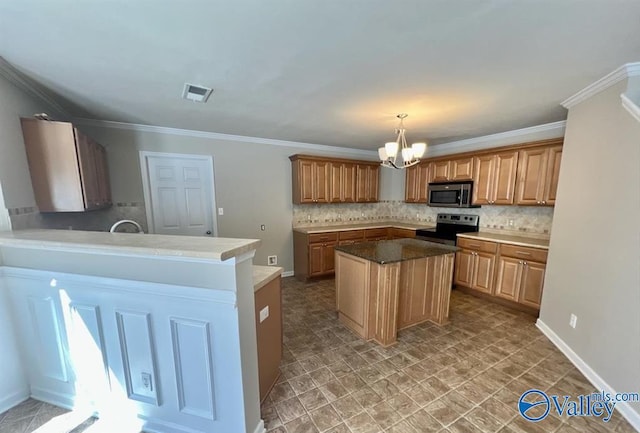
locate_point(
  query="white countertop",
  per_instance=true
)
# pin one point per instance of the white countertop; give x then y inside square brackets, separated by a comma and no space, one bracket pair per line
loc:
[131,243]
[360,226]
[523,241]
[262,275]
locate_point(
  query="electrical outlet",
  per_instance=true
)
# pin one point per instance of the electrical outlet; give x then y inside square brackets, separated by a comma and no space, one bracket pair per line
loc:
[272,260]
[573,320]
[510,223]
[264,313]
[263,227]
[147,383]
[220,211]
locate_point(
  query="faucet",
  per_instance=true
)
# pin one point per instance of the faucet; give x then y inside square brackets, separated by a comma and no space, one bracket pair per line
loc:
[116,225]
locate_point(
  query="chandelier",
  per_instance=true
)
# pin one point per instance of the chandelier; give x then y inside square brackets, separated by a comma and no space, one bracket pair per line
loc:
[410,154]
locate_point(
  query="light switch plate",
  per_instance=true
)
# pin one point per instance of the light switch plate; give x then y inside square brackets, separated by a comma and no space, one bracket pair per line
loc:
[220,211]
[264,313]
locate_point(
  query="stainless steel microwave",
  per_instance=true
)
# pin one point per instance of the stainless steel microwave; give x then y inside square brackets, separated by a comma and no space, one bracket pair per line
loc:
[451,194]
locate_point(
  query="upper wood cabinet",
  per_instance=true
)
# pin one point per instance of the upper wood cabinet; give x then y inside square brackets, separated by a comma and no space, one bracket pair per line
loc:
[68,169]
[416,182]
[538,172]
[367,183]
[495,176]
[332,180]
[451,170]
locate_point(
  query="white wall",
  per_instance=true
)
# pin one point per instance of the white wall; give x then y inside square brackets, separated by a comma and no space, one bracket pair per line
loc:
[593,269]
[15,191]
[252,182]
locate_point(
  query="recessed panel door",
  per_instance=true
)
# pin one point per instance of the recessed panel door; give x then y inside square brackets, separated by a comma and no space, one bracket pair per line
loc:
[181,195]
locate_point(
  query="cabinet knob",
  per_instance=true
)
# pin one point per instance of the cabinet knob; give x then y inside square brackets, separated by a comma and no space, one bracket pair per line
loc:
[208,232]
[524,263]
[520,261]
[544,202]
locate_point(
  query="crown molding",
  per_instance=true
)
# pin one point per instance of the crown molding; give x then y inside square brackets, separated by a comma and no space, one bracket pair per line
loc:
[630,106]
[623,72]
[532,133]
[25,84]
[220,136]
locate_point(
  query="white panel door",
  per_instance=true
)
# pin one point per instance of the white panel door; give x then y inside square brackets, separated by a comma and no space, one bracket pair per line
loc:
[180,189]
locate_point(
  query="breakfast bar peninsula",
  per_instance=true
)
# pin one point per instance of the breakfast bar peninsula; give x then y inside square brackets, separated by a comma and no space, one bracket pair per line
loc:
[385,286]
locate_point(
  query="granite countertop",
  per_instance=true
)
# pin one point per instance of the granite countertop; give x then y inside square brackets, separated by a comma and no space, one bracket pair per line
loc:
[523,241]
[361,226]
[168,246]
[398,250]
[262,275]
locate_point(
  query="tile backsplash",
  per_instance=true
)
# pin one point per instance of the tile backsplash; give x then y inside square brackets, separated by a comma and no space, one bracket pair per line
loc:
[98,220]
[529,219]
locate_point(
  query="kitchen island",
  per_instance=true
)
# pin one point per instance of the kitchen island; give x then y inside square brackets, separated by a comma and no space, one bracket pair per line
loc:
[385,286]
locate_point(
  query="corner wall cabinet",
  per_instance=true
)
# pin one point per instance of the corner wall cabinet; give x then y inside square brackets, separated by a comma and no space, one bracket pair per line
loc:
[68,169]
[332,180]
[523,174]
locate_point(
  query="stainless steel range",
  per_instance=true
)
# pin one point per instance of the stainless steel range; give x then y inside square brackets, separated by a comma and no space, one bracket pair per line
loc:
[448,225]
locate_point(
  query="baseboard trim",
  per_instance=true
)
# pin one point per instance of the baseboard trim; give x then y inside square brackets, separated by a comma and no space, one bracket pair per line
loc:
[62,400]
[598,382]
[260,427]
[13,399]
[287,274]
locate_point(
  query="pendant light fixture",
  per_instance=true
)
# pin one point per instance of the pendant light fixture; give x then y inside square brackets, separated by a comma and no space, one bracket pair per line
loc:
[410,154]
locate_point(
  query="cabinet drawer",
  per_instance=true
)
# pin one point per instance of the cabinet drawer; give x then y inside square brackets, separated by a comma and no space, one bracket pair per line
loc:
[323,237]
[472,244]
[351,234]
[375,233]
[533,254]
[395,233]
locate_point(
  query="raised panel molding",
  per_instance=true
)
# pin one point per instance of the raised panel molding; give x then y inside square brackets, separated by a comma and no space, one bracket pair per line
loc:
[48,332]
[138,356]
[193,358]
[86,341]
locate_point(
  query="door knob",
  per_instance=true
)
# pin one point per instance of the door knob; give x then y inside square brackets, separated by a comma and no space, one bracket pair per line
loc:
[208,232]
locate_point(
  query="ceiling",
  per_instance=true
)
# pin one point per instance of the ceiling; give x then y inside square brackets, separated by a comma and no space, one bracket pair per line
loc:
[330,72]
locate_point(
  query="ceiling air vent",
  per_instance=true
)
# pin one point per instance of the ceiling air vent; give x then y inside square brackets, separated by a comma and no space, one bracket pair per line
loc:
[196,93]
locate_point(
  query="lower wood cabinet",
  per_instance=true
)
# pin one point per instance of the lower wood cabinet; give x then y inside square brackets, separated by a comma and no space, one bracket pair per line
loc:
[314,254]
[509,272]
[269,334]
[520,281]
[475,265]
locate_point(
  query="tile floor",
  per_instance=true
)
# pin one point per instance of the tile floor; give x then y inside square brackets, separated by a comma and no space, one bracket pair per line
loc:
[460,378]
[466,376]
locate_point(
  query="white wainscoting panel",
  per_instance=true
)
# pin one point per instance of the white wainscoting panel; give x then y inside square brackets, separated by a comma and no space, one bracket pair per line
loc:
[138,356]
[86,343]
[194,367]
[46,328]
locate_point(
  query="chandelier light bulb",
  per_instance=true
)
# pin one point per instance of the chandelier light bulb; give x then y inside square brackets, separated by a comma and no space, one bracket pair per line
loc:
[391,148]
[382,154]
[419,149]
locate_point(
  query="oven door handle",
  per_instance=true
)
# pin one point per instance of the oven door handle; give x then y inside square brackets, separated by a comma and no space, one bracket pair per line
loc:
[460,196]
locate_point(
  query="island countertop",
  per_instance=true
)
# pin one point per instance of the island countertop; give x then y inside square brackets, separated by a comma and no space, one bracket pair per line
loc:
[397,250]
[188,247]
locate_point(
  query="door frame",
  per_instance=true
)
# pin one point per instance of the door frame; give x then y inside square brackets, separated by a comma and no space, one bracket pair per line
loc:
[146,186]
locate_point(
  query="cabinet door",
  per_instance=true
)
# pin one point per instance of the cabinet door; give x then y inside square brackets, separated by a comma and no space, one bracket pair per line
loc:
[461,169]
[509,277]
[316,254]
[531,285]
[411,184]
[306,173]
[553,173]
[348,183]
[362,178]
[532,170]
[422,183]
[328,257]
[88,177]
[483,268]
[439,171]
[484,168]
[335,182]
[505,178]
[373,183]
[464,268]
[321,181]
